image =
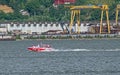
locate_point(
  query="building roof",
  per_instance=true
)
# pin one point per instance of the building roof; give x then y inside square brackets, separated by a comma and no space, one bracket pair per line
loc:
[6,9]
[57,2]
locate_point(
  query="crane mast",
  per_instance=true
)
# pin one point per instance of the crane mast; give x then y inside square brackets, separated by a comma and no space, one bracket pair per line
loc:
[117,11]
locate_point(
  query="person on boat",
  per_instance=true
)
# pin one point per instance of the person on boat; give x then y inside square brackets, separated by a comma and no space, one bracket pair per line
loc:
[48,46]
[38,45]
[33,46]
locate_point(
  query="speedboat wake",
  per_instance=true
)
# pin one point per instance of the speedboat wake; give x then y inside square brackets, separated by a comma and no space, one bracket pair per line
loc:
[79,50]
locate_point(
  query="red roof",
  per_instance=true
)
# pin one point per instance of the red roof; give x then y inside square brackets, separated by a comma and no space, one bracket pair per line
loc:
[56,2]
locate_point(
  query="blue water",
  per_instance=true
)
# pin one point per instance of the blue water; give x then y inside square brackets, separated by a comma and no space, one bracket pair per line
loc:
[69,57]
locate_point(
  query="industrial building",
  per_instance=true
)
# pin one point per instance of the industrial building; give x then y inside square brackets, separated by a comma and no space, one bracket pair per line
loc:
[39,27]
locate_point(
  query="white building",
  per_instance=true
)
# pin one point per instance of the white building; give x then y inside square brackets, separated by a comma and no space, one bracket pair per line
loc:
[29,28]
[39,27]
[3,29]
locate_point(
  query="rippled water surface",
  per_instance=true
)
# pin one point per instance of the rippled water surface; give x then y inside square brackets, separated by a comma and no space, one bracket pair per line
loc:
[69,57]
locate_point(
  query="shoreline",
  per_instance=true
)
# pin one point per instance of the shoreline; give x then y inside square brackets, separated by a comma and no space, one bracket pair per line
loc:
[61,37]
[74,39]
[71,37]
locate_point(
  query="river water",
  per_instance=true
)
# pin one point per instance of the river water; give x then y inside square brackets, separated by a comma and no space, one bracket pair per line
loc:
[69,57]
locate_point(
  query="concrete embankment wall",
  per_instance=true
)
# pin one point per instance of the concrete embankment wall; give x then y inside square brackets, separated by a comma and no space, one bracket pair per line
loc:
[70,36]
[7,37]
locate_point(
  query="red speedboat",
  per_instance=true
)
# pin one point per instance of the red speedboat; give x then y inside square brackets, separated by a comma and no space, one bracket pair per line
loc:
[39,48]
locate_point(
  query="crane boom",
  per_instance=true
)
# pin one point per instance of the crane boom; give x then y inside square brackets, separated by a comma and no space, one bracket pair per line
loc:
[84,7]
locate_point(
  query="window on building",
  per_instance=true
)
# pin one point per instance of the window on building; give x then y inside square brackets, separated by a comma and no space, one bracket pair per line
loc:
[57,25]
[29,25]
[34,25]
[40,25]
[17,25]
[45,25]
[51,25]
[23,25]
[12,25]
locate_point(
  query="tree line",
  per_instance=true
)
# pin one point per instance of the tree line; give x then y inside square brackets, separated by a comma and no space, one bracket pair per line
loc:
[43,10]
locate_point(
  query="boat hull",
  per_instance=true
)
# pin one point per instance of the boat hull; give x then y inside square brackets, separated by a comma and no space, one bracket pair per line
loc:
[38,49]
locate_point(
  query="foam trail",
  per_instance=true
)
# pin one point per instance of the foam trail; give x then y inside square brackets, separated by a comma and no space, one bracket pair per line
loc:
[111,50]
[78,50]
[66,50]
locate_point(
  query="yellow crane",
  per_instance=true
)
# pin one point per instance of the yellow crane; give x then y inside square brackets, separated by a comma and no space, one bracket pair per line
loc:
[75,11]
[117,11]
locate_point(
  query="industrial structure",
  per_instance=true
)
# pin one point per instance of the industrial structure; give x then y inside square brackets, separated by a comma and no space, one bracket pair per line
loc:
[75,13]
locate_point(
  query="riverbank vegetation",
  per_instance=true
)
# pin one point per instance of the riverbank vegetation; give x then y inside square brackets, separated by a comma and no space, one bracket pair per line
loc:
[69,36]
[43,10]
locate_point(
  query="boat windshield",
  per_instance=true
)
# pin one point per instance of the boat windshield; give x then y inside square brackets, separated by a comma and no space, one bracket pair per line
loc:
[46,45]
[42,45]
